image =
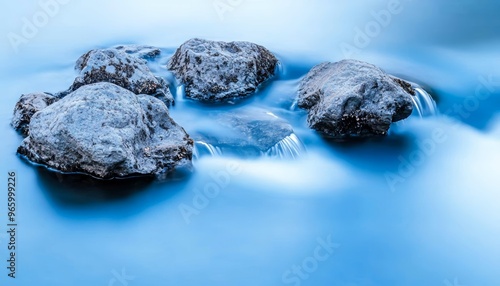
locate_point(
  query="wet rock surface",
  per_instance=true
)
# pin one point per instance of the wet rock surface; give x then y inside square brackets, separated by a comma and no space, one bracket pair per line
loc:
[220,71]
[353,99]
[27,106]
[140,51]
[106,131]
[252,131]
[109,123]
[121,68]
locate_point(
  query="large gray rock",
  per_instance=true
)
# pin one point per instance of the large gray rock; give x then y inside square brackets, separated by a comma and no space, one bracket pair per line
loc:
[107,131]
[123,69]
[220,71]
[27,106]
[353,99]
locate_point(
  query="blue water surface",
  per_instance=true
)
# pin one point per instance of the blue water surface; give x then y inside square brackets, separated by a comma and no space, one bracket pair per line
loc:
[419,207]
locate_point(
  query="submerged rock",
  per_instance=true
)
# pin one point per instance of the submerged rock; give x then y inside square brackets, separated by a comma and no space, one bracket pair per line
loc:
[106,131]
[140,51]
[220,71]
[125,70]
[353,99]
[248,131]
[27,106]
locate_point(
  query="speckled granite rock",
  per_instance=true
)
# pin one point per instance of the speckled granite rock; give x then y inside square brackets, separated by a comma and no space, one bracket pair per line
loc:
[118,67]
[27,106]
[219,71]
[106,131]
[353,99]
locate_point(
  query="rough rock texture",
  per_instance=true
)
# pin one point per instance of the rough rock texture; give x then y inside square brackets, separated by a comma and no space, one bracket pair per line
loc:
[140,51]
[219,71]
[353,99]
[122,69]
[107,131]
[27,106]
[245,130]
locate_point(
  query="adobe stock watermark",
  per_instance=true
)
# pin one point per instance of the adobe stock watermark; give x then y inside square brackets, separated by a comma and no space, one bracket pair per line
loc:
[372,29]
[202,197]
[31,26]
[487,86]
[408,165]
[296,274]
[222,7]
[120,278]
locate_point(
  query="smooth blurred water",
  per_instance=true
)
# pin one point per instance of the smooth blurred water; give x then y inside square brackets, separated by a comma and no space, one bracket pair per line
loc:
[419,207]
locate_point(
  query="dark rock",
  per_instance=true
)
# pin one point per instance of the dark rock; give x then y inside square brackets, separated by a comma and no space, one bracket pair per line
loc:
[405,85]
[27,106]
[220,71]
[122,69]
[140,51]
[353,99]
[106,131]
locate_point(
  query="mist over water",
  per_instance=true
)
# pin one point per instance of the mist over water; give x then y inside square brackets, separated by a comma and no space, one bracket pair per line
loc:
[418,207]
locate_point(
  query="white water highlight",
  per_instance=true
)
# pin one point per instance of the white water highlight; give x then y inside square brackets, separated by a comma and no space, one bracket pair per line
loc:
[291,147]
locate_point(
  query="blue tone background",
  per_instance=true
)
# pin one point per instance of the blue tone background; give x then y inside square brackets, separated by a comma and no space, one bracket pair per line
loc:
[438,226]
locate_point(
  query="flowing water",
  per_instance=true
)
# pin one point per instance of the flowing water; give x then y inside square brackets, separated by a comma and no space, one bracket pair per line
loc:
[418,207]
[423,103]
[289,148]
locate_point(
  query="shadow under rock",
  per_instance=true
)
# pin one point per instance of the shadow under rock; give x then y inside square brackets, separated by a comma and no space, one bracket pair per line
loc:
[84,190]
[379,153]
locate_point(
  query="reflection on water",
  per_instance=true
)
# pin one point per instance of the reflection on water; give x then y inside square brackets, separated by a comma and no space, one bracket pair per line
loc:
[77,189]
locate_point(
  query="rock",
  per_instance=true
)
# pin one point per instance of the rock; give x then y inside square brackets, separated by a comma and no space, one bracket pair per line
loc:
[106,131]
[353,99]
[122,69]
[140,51]
[27,106]
[251,131]
[219,71]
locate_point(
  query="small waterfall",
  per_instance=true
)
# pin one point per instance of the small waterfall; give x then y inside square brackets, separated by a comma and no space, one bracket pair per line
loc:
[423,102]
[295,105]
[289,148]
[280,69]
[180,91]
[205,149]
